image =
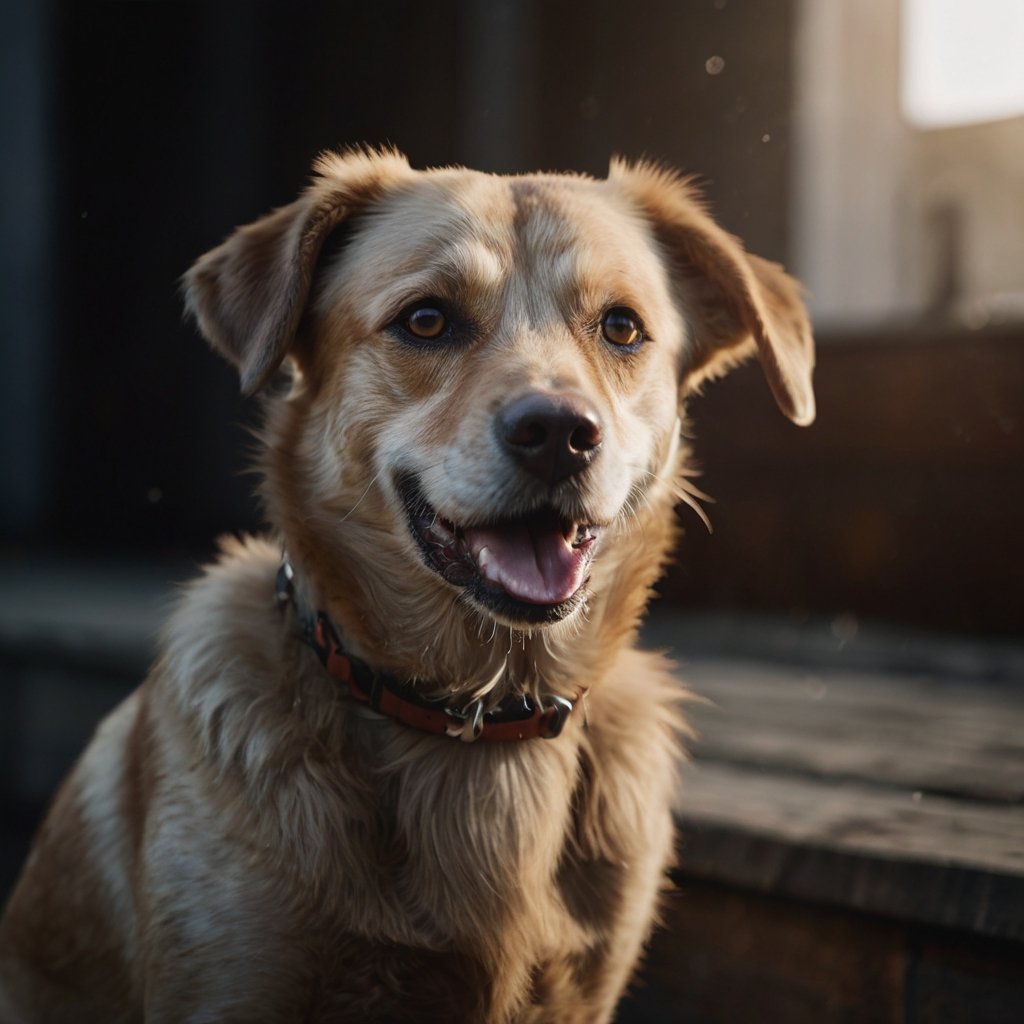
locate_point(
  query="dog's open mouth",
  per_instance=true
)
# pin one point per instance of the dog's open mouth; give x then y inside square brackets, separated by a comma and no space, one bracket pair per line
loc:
[530,568]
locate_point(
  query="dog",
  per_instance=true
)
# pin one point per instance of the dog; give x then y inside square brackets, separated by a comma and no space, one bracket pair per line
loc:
[402,761]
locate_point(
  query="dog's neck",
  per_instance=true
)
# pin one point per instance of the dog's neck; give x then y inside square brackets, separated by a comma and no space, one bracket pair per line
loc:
[486,715]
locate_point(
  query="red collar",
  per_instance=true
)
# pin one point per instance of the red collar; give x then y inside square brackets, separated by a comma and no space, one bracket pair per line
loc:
[515,718]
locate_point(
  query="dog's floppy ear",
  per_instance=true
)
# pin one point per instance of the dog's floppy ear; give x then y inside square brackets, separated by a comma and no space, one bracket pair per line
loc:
[736,303]
[248,295]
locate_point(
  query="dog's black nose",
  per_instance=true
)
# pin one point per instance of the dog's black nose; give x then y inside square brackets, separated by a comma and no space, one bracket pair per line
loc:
[552,436]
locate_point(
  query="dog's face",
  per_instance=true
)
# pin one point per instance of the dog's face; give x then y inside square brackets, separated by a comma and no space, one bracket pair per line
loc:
[489,370]
[505,354]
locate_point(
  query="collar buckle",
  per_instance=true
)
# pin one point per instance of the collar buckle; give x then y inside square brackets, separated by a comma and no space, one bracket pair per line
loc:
[555,715]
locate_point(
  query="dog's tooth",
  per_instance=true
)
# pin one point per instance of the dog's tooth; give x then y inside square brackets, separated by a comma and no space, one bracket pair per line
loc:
[484,563]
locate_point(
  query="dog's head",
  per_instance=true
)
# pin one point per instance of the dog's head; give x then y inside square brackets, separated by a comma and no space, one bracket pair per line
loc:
[488,373]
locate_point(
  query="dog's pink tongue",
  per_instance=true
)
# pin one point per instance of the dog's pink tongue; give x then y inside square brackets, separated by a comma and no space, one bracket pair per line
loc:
[530,562]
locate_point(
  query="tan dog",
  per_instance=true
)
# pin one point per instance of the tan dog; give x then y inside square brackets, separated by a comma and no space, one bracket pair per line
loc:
[448,795]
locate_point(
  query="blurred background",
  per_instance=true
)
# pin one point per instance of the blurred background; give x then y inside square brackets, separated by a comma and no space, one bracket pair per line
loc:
[876,147]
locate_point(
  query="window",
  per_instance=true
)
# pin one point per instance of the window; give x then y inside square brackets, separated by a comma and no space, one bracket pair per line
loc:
[962,63]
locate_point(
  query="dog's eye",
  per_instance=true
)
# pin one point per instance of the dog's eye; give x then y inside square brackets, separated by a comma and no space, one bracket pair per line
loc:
[426,322]
[621,326]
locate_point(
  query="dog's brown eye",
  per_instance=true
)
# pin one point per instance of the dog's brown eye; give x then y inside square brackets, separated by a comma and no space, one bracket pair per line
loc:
[427,323]
[621,326]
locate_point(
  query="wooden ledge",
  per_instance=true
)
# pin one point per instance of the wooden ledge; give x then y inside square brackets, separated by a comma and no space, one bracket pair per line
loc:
[896,795]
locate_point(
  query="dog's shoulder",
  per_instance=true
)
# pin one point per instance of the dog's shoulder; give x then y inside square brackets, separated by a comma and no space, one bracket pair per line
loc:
[230,603]
[632,749]
[230,654]
[227,618]
[640,703]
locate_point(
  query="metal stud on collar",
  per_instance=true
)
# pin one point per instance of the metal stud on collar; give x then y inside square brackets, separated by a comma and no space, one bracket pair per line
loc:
[474,724]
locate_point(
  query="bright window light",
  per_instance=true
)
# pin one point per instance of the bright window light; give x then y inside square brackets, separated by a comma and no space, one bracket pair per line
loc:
[962,61]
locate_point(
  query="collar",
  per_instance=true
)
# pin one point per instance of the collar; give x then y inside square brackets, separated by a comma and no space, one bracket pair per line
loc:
[518,717]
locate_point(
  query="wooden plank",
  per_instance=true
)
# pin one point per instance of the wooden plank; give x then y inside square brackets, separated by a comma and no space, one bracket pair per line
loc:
[950,981]
[832,642]
[935,860]
[901,502]
[858,818]
[85,615]
[915,734]
[728,956]
[941,403]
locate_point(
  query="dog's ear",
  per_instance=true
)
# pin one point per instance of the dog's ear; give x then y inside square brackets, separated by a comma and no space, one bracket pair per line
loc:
[249,294]
[735,303]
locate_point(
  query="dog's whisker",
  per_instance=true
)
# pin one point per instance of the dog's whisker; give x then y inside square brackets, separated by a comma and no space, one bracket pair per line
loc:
[683,489]
[689,495]
[359,501]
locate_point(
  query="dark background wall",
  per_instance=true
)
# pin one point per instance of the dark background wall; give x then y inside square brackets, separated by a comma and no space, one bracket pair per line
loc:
[156,128]
[138,134]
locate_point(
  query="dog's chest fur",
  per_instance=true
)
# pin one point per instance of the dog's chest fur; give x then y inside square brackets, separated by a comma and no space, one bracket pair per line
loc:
[508,865]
